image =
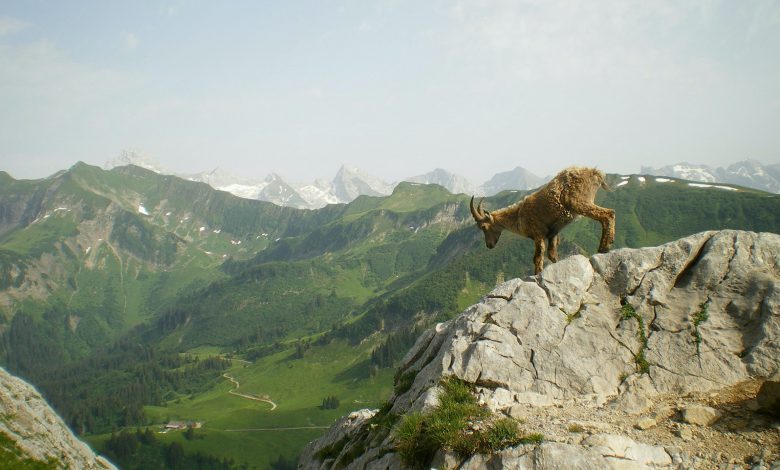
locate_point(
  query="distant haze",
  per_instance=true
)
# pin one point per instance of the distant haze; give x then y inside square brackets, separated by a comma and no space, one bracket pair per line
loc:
[394,87]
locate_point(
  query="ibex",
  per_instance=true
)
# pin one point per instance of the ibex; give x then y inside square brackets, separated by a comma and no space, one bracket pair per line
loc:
[542,215]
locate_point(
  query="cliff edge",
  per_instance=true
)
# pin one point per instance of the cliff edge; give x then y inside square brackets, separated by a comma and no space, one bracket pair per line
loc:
[660,357]
[31,430]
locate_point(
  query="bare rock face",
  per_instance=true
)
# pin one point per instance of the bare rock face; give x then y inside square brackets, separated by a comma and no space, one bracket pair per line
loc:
[628,334]
[27,419]
[769,397]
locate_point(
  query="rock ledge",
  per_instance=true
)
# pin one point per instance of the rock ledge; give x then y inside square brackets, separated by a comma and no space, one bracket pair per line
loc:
[628,336]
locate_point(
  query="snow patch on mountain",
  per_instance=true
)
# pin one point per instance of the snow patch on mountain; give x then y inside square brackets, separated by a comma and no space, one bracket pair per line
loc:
[351,181]
[704,185]
[749,173]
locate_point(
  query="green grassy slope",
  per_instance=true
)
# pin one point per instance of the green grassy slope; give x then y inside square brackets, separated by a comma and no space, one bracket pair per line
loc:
[305,297]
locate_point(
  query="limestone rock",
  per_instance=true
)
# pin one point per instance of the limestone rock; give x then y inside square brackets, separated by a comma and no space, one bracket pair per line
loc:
[768,397]
[700,415]
[645,423]
[27,419]
[324,452]
[621,447]
[685,434]
[612,332]
[600,451]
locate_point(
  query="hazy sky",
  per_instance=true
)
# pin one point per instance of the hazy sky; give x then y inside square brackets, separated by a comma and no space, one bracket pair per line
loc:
[395,87]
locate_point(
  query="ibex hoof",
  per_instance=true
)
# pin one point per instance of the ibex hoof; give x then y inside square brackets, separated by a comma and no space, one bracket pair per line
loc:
[604,249]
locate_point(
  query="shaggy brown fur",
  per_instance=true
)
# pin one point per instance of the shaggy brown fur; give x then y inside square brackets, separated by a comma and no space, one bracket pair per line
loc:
[541,215]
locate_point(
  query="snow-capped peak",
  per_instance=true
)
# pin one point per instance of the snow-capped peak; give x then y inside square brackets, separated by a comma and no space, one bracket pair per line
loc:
[750,173]
[134,157]
[454,183]
[351,182]
[519,178]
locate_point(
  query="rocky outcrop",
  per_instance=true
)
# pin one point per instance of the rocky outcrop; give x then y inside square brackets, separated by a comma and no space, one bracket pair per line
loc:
[606,357]
[27,419]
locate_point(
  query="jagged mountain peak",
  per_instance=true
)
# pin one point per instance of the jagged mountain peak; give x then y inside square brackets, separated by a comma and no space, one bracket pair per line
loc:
[454,183]
[272,177]
[351,182]
[599,343]
[135,157]
[517,178]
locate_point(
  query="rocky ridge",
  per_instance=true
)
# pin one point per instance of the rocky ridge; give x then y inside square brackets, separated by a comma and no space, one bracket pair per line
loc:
[638,358]
[38,431]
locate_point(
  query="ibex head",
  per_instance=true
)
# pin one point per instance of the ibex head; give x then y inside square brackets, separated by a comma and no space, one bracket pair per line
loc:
[485,223]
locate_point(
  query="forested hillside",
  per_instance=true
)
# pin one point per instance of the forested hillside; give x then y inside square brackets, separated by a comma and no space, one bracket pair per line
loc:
[125,293]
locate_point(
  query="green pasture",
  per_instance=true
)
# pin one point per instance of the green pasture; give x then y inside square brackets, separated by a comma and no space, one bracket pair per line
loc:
[247,430]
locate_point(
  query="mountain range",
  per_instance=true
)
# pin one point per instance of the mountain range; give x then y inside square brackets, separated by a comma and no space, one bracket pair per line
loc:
[748,173]
[351,182]
[127,295]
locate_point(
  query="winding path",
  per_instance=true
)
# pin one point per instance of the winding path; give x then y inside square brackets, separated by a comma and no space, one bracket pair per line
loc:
[244,395]
[276,429]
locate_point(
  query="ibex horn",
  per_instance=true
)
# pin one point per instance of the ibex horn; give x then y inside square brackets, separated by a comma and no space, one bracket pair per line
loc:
[477,213]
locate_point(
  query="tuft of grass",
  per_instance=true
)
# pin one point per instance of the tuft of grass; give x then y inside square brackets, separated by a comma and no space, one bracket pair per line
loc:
[383,418]
[628,312]
[534,438]
[13,457]
[414,444]
[458,424]
[642,366]
[503,433]
[574,427]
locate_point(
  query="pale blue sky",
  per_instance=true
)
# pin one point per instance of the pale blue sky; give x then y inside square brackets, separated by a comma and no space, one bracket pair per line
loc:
[395,87]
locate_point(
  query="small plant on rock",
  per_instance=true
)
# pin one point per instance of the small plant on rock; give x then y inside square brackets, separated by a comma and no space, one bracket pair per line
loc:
[576,427]
[642,365]
[414,444]
[534,438]
[698,318]
[383,418]
[458,424]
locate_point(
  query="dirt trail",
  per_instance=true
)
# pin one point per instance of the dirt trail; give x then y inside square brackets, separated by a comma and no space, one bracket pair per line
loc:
[276,429]
[244,395]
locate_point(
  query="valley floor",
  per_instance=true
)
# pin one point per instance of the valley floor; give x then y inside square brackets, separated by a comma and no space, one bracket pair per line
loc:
[278,409]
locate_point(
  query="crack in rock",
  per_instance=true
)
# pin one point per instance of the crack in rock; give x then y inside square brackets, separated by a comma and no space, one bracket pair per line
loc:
[688,374]
[693,262]
[622,344]
[652,327]
[543,286]
[536,371]
[653,269]
[508,298]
